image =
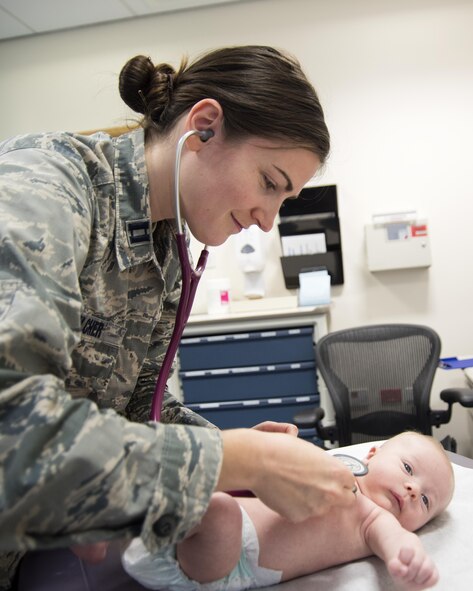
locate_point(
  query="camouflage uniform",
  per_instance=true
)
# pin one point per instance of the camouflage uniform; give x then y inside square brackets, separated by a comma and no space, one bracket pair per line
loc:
[88,295]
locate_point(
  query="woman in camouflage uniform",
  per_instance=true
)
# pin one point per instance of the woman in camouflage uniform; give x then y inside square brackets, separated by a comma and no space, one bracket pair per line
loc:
[89,286]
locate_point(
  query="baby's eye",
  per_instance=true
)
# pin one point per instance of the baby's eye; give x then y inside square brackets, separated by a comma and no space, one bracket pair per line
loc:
[407,468]
[425,500]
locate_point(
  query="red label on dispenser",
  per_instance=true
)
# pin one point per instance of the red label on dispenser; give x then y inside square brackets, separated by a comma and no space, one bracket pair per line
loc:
[417,231]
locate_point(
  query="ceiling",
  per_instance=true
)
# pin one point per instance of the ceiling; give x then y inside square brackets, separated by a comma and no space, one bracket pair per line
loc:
[19,18]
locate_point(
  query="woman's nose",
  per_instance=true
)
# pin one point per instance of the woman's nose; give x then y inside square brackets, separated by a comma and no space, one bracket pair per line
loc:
[264,218]
[265,225]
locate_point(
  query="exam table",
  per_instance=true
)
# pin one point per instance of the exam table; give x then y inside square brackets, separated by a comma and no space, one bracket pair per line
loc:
[447,539]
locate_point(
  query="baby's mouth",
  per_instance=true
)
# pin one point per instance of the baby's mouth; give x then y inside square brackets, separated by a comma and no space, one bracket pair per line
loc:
[399,500]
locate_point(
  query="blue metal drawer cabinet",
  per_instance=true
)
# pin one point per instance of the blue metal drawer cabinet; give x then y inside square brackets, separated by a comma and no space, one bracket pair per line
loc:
[243,378]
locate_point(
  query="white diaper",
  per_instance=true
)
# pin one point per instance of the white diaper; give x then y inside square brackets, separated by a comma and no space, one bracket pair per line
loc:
[161,571]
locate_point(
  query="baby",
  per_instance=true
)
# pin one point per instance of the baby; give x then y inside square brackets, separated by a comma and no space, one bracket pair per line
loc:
[242,544]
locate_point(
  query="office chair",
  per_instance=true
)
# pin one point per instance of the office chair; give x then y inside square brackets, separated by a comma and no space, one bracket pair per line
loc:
[379,379]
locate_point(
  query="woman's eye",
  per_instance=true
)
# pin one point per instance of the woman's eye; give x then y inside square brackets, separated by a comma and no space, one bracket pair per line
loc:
[269,183]
[425,500]
[407,468]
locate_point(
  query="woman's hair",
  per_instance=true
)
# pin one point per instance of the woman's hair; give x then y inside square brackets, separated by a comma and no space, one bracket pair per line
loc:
[262,92]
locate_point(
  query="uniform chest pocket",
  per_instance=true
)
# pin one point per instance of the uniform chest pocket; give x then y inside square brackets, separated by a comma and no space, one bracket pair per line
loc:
[95,357]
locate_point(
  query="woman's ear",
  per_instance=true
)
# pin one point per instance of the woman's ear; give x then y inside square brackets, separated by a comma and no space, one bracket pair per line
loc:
[206,114]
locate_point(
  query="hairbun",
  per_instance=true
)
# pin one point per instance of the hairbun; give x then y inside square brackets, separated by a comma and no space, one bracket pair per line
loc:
[146,88]
[134,82]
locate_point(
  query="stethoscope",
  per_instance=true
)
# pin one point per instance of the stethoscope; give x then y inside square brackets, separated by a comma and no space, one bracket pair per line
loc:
[357,467]
[190,280]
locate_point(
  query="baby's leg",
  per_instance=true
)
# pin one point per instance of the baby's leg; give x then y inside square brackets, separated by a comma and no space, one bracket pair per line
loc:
[213,548]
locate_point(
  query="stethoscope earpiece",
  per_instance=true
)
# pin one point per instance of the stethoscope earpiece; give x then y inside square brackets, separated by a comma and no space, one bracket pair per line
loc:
[205,134]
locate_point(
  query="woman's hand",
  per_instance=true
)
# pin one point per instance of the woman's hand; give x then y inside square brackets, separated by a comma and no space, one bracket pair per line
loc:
[294,477]
[274,427]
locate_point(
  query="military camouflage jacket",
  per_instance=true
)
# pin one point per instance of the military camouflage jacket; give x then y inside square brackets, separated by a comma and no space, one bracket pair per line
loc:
[88,294]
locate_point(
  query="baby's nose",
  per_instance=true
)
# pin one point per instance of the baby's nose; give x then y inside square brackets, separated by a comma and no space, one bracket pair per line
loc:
[412,490]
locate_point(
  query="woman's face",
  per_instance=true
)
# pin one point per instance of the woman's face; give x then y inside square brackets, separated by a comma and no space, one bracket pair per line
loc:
[227,186]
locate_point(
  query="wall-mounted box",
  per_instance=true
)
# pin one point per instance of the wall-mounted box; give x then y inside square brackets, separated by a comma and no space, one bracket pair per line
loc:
[398,244]
[314,213]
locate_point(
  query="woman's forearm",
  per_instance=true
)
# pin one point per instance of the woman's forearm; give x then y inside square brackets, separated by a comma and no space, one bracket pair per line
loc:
[295,478]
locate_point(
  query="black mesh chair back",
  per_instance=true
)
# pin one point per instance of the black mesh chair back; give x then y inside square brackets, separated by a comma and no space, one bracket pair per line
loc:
[379,378]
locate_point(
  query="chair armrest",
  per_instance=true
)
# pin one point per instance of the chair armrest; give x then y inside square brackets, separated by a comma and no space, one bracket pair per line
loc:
[309,418]
[462,395]
[312,418]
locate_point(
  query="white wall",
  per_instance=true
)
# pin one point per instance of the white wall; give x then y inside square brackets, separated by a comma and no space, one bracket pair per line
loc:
[396,81]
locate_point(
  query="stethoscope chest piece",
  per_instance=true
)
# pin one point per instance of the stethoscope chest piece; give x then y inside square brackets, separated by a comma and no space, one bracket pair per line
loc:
[357,467]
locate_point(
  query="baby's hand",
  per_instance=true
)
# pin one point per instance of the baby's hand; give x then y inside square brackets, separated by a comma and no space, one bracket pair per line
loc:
[93,553]
[413,569]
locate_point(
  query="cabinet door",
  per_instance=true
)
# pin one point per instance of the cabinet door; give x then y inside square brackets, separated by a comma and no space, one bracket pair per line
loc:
[249,383]
[247,413]
[240,349]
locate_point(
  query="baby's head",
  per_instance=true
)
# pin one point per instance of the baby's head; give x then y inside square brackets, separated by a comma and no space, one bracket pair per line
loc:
[411,476]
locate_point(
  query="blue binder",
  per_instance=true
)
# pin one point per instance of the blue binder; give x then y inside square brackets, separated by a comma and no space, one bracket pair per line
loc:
[455,363]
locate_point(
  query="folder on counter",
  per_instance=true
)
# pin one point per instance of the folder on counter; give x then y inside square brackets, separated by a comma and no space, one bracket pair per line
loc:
[455,362]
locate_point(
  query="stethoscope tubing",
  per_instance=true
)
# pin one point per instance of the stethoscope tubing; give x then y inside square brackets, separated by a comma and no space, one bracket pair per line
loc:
[177,178]
[189,284]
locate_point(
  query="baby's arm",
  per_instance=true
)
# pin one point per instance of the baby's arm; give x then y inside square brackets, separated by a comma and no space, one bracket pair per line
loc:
[401,550]
[93,553]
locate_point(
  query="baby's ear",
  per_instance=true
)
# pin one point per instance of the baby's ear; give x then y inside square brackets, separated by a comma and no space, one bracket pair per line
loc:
[371,453]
